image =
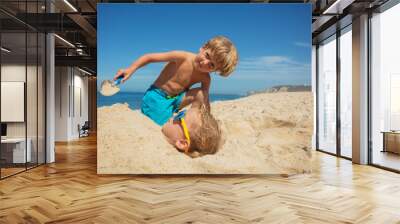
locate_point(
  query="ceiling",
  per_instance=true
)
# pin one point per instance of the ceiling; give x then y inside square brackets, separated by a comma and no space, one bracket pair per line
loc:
[76,22]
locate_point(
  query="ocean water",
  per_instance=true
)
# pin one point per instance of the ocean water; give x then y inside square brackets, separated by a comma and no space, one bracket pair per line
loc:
[134,99]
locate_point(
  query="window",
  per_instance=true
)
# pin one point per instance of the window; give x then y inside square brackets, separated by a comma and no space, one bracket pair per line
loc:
[22,65]
[385,88]
[346,92]
[327,95]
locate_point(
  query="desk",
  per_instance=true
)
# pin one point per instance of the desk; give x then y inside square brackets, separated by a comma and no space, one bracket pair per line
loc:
[18,151]
[391,141]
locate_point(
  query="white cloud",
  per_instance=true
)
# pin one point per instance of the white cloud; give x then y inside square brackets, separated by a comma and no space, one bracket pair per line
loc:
[262,61]
[268,62]
[302,44]
[270,67]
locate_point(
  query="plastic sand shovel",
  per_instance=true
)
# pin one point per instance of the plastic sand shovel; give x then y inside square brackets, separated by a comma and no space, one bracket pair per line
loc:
[109,87]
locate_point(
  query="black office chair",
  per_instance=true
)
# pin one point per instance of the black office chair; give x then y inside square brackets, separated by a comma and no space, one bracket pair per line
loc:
[84,130]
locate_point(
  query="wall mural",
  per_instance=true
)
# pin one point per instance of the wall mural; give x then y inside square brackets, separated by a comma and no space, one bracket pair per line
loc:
[204,89]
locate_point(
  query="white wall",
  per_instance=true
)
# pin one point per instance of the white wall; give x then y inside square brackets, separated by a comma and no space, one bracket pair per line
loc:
[12,73]
[80,102]
[71,87]
[33,127]
[61,103]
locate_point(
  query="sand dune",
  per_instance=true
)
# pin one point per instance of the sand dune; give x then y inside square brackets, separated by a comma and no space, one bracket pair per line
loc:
[267,133]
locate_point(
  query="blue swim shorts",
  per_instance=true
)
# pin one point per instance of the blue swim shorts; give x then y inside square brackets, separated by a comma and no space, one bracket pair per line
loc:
[158,106]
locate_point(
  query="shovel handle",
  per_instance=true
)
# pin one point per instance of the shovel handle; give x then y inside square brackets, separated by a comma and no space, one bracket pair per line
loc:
[118,81]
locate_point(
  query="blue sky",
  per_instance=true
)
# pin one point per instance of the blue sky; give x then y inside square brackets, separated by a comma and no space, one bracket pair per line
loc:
[273,41]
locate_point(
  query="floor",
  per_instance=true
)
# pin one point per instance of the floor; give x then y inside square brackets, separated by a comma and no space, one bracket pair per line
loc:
[387,159]
[5,172]
[10,171]
[70,191]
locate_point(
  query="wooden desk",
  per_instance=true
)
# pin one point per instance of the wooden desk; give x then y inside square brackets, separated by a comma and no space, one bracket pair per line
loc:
[18,150]
[391,141]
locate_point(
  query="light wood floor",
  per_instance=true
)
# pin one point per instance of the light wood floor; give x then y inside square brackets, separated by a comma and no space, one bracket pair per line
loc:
[388,159]
[10,171]
[70,191]
[5,172]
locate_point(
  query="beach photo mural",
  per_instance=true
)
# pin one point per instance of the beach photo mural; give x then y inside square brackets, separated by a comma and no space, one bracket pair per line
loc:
[204,89]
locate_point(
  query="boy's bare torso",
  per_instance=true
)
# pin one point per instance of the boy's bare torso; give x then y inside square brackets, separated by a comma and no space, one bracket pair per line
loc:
[179,75]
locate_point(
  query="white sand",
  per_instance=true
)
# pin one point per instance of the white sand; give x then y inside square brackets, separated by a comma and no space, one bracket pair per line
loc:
[268,133]
[108,88]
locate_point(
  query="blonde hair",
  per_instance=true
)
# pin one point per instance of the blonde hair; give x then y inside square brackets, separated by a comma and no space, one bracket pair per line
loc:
[206,139]
[224,53]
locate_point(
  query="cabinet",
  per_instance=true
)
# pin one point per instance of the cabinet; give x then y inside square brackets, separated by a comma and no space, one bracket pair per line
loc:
[391,141]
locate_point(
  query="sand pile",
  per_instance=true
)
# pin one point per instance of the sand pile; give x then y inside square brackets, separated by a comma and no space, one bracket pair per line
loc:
[267,133]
